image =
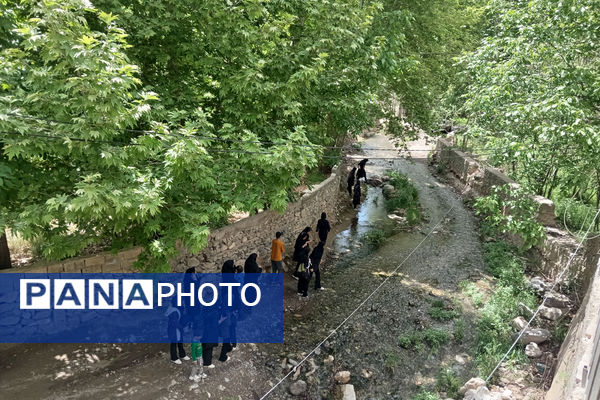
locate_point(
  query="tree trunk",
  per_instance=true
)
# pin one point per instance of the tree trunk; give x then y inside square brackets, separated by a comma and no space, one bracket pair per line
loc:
[4,252]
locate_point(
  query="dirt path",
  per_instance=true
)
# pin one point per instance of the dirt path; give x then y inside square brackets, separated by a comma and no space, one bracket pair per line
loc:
[367,346]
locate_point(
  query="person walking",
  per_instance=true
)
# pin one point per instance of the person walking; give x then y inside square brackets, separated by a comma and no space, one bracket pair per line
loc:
[315,260]
[302,241]
[277,250]
[304,271]
[357,194]
[362,173]
[252,269]
[351,178]
[175,333]
[323,228]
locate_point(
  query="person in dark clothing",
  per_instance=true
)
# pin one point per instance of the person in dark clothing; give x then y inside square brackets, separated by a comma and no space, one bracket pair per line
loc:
[189,312]
[252,269]
[357,194]
[304,271]
[211,323]
[351,178]
[315,260]
[361,173]
[323,227]
[175,332]
[229,328]
[302,241]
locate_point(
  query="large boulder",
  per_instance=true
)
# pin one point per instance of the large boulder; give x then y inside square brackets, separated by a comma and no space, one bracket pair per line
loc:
[551,313]
[388,191]
[374,180]
[519,323]
[555,299]
[535,335]
[533,351]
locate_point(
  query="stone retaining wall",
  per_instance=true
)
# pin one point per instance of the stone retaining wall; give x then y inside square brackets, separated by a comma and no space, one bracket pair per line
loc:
[476,179]
[235,241]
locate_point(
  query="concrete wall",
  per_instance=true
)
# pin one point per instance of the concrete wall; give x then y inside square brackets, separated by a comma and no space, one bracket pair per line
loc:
[577,375]
[235,241]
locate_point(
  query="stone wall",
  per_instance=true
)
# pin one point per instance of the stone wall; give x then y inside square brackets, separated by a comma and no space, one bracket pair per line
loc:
[255,233]
[105,262]
[577,375]
[235,241]
[474,178]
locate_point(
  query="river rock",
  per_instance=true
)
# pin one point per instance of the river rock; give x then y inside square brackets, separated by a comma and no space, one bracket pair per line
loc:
[298,388]
[519,323]
[555,299]
[481,393]
[538,285]
[535,335]
[385,178]
[533,351]
[375,181]
[551,313]
[528,312]
[472,384]
[192,262]
[388,191]
[342,376]
[348,392]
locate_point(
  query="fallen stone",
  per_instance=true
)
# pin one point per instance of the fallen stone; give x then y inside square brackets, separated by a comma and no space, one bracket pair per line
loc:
[388,191]
[555,299]
[551,313]
[348,392]
[385,178]
[528,312]
[532,350]
[192,262]
[538,285]
[461,359]
[481,393]
[366,374]
[342,376]
[535,335]
[375,181]
[297,388]
[519,323]
[472,384]
[329,359]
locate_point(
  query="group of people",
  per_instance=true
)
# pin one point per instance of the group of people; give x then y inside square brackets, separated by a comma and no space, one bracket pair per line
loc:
[307,264]
[354,181]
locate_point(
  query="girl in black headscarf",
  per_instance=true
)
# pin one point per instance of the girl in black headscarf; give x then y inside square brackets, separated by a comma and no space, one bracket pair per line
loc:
[315,259]
[351,178]
[323,227]
[302,241]
[361,173]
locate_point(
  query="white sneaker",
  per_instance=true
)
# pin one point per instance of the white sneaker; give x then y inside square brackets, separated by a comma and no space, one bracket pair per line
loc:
[321,288]
[193,377]
[235,348]
[210,366]
[178,362]
[186,358]
[203,376]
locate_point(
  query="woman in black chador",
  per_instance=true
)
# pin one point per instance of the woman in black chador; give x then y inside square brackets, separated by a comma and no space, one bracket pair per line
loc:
[323,227]
[351,178]
[361,173]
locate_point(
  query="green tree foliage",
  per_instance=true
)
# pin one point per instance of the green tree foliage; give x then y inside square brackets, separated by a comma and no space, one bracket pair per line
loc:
[531,93]
[146,122]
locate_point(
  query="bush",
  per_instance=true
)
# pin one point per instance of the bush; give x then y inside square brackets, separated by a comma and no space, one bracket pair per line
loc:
[406,197]
[521,220]
[435,338]
[375,237]
[442,312]
[448,382]
[425,395]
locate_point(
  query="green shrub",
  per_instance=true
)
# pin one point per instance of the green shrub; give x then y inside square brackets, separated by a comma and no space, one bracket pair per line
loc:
[521,220]
[442,312]
[426,395]
[405,197]
[435,338]
[459,330]
[448,382]
[471,290]
[374,237]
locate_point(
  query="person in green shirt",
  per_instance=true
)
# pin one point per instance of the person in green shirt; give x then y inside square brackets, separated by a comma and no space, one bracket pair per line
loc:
[197,370]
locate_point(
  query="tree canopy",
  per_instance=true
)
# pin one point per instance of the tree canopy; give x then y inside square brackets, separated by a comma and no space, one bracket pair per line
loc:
[135,122]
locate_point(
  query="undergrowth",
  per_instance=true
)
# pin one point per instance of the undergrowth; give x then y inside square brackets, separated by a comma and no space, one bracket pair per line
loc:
[405,197]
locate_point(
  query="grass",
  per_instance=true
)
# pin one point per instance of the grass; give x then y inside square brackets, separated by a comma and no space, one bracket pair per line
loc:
[458,330]
[426,395]
[442,312]
[406,197]
[392,360]
[471,290]
[448,382]
[434,338]
[494,333]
